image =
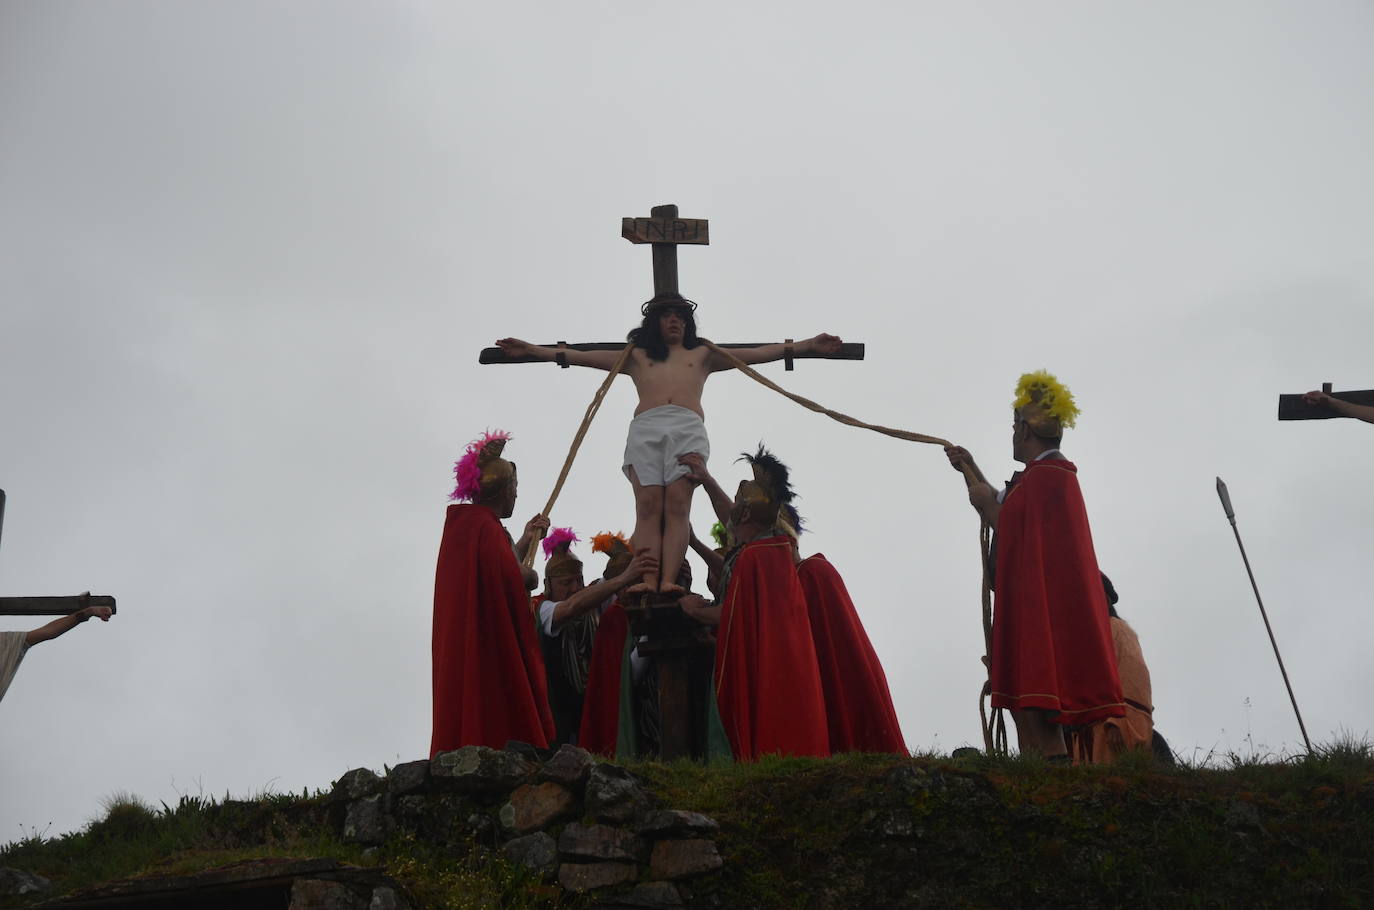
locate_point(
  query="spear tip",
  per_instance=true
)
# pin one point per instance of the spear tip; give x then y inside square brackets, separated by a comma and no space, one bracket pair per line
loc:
[1225,497]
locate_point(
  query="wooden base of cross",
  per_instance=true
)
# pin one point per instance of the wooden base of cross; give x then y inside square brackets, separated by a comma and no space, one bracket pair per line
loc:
[53,606]
[1293,407]
[680,648]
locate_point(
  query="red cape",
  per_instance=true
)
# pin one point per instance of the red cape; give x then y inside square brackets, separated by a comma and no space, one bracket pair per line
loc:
[858,705]
[1051,642]
[600,730]
[489,684]
[768,686]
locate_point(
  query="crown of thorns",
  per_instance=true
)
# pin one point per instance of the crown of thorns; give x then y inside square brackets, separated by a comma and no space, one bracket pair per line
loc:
[659,303]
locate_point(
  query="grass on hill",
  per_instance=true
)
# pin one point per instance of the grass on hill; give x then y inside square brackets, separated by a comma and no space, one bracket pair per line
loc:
[855,830]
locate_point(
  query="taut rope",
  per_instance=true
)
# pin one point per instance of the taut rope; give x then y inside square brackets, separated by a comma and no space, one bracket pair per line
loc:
[994,730]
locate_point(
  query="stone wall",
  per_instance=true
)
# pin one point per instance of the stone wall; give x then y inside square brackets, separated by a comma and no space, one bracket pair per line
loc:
[586,824]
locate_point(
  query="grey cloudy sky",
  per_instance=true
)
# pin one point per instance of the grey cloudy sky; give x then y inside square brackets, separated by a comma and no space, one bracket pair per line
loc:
[249,252]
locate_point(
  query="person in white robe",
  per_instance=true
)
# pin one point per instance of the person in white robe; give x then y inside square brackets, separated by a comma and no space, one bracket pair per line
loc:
[14,645]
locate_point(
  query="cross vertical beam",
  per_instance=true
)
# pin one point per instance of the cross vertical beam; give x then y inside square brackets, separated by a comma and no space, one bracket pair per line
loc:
[665,230]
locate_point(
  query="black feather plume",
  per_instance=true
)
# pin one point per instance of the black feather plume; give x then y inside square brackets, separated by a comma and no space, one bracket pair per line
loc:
[775,472]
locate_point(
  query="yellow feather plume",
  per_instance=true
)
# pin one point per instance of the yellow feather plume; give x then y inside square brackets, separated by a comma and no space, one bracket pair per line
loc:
[1051,395]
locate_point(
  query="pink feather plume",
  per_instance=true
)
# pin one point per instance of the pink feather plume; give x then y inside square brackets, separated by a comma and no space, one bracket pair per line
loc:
[467,473]
[556,537]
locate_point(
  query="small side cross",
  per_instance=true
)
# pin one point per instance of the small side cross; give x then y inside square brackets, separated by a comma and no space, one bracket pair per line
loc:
[1294,407]
[49,606]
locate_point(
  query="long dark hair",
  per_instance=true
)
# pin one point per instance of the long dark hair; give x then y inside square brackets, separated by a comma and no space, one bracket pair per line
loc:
[648,337]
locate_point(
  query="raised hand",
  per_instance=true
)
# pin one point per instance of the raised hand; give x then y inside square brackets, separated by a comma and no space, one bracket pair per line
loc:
[537,528]
[958,457]
[696,467]
[514,347]
[826,344]
[642,564]
[1317,398]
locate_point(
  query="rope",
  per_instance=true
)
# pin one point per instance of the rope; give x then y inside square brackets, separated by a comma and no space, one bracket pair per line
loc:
[994,730]
[577,442]
[749,371]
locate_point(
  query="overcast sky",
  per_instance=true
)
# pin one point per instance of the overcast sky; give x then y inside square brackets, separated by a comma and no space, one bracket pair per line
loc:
[249,253]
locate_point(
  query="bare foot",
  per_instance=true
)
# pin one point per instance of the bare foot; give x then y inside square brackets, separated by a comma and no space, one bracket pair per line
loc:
[670,588]
[642,587]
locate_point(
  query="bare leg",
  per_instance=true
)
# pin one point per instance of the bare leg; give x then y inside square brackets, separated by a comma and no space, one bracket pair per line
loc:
[648,528]
[677,512]
[1036,734]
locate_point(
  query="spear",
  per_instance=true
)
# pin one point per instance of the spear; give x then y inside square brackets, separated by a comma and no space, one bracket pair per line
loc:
[1231,516]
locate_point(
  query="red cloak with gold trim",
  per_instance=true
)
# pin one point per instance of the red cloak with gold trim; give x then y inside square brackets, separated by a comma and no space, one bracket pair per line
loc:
[600,730]
[768,685]
[489,685]
[858,705]
[1051,642]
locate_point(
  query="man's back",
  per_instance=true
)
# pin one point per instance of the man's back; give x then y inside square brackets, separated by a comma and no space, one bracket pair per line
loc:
[1052,647]
[488,677]
[768,685]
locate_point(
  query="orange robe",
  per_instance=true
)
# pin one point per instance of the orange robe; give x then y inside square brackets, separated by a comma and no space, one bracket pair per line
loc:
[1051,646]
[768,685]
[488,675]
[1104,741]
[858,705]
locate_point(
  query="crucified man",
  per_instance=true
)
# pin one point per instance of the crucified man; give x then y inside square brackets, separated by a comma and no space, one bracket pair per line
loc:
[669,366]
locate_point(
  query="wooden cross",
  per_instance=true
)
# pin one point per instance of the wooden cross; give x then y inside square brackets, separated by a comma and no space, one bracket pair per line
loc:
[678,644]
[664,230]
[49,606]
[1293,407]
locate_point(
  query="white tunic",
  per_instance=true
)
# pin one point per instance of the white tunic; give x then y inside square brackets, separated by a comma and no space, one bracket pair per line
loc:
[12,648]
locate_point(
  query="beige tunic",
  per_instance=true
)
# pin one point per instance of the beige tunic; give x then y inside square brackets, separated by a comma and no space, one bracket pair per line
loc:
[12,648]
[1104,741]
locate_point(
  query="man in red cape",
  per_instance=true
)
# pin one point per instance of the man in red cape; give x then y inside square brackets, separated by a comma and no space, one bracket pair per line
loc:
[858,705]
[1052,663]
[489,684]
[767,681]
[607,727]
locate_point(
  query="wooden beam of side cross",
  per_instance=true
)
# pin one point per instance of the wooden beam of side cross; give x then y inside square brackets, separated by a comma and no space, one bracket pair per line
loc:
[847,351]
[1293,407]
[53,606]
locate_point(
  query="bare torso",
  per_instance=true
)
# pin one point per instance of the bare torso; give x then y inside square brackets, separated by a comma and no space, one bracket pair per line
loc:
[677,380]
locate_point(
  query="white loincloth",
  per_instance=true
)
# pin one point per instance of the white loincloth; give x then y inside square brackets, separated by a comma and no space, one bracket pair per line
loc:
[12,648]
[657,437]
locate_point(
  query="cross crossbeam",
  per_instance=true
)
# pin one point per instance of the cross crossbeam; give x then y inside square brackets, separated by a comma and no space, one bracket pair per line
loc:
[53,606]
[49,606]
[1293,407]
[847,351]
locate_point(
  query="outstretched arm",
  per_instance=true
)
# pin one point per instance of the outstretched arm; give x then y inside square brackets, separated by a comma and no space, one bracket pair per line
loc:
[766,353]
[695,606]
[1344,408]
[598,360]
[66,624]
[721,502]
[583,601]
[714,561]
[981,495]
